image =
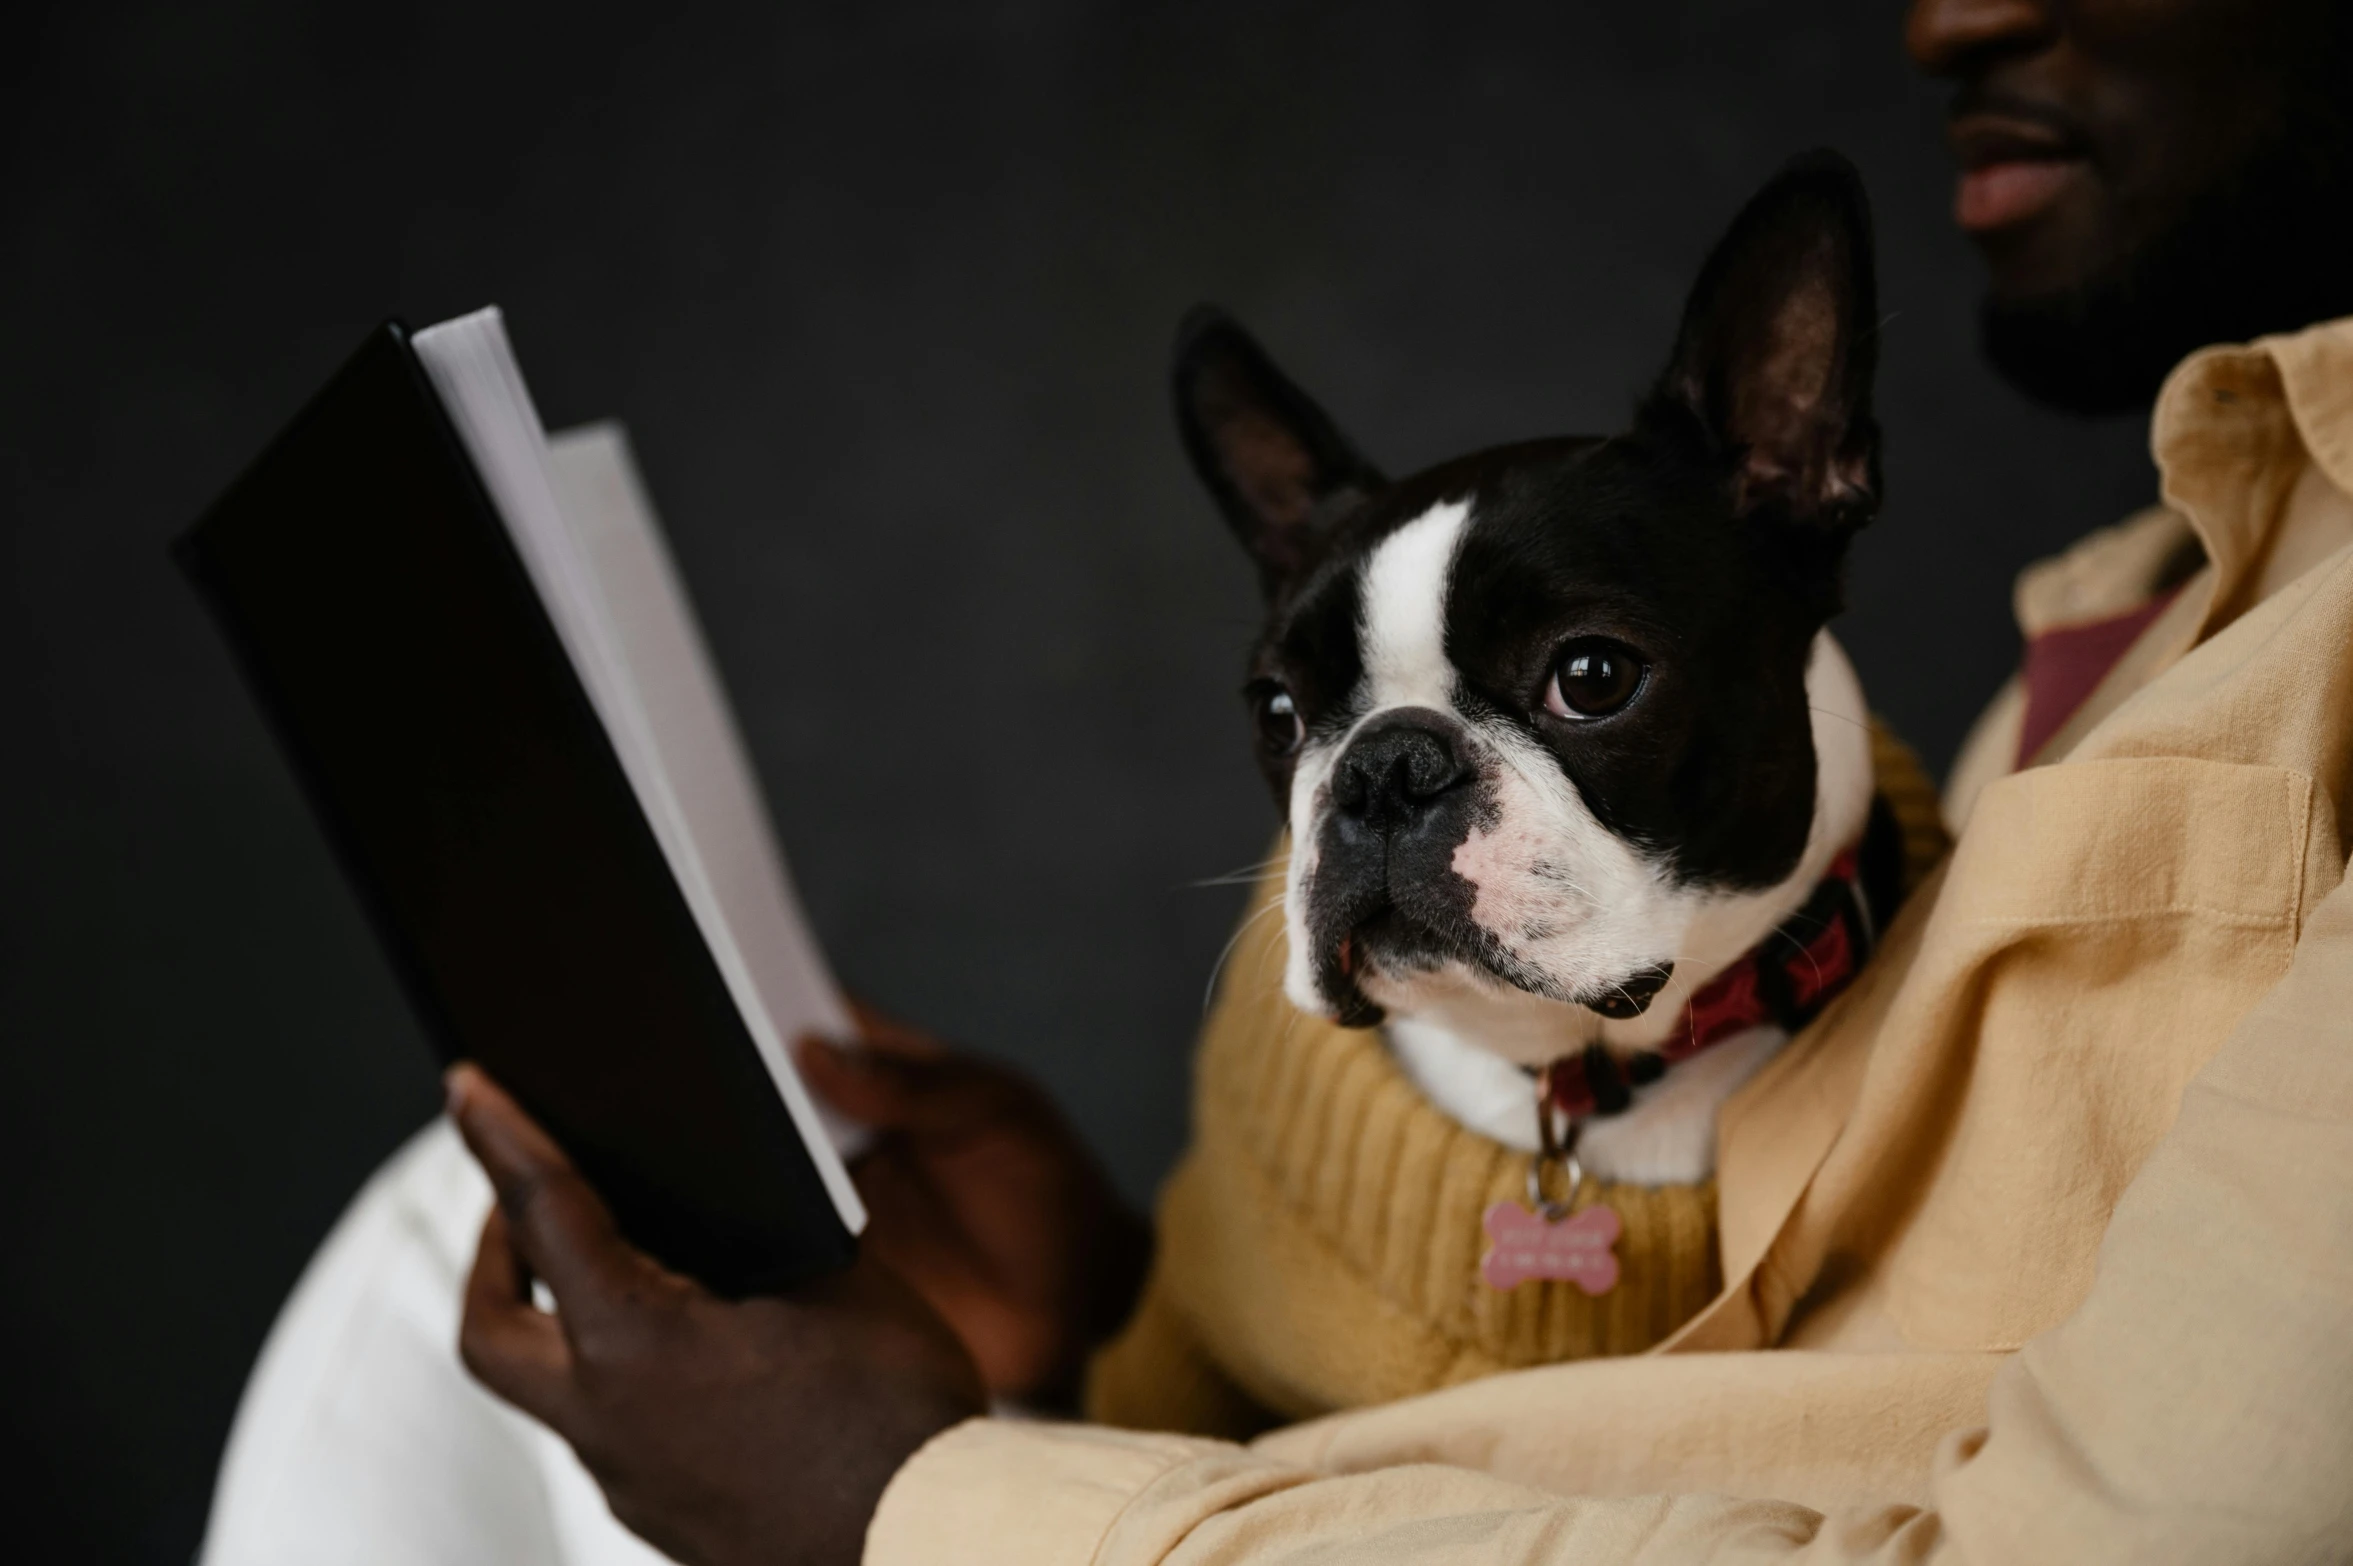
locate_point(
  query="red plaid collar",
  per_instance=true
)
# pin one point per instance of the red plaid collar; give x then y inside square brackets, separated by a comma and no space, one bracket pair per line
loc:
[1787,978]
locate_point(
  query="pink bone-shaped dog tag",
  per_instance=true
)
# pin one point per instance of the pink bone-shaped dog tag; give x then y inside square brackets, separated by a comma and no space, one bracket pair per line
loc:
[1574,1250]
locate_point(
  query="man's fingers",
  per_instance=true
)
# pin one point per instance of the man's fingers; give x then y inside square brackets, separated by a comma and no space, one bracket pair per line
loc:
[887,1034]
[895,1092]
[911,1227]
[555,1220]
[511,1346]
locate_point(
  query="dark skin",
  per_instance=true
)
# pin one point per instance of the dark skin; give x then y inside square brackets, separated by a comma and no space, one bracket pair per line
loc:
[760,1430]
[2122,159]
[2085,130]
[2143,177]
[982,1196]
[765,1429]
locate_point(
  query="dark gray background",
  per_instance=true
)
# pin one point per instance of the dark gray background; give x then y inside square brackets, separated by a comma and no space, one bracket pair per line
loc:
[883,293]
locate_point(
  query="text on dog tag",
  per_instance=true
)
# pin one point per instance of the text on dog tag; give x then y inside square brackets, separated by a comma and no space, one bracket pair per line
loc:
[1575,1249]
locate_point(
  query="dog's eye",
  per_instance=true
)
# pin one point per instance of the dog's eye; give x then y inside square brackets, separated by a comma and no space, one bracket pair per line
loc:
[1279,728]
[1594,678]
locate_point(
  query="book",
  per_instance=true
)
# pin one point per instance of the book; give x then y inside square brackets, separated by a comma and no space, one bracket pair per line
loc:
[476,651]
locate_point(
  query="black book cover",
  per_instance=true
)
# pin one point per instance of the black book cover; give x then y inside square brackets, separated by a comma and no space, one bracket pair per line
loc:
[385,621]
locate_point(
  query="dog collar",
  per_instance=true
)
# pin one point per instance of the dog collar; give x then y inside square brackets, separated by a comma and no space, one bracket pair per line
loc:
[1787,978]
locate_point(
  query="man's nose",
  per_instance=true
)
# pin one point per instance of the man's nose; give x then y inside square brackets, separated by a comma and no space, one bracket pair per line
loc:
[1943,36]
[1398,767]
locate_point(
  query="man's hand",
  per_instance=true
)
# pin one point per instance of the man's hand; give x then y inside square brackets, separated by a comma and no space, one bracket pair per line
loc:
[985,1200]
[759,1431]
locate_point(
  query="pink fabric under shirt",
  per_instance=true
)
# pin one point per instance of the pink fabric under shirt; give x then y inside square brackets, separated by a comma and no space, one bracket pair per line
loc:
[2065,664]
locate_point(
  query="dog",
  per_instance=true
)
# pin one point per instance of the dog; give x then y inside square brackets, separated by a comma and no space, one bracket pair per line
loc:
[1574,776]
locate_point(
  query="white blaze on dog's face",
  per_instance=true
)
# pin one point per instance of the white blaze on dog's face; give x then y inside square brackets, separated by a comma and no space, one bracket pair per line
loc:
[1556,727]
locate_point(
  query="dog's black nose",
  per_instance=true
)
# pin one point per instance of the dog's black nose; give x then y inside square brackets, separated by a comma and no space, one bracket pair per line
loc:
[1398,766]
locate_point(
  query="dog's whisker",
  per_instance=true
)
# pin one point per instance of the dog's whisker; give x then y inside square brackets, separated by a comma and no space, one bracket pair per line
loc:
[1242,875]
[1209,991]
[1843,717]
[1802,951]
[1268,953]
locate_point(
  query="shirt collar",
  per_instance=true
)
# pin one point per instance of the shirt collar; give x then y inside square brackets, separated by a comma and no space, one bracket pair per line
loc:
[2232,428]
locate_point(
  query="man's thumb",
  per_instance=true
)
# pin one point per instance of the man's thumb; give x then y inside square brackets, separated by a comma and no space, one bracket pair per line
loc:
[557,1220]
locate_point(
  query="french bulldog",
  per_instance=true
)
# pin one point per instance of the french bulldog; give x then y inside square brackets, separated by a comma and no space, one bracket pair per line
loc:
[1574,776]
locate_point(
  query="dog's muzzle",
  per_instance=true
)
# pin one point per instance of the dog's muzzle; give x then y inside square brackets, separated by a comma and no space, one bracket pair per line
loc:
[1401,799]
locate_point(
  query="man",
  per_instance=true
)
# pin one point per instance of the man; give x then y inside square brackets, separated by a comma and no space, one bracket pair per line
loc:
[2039,1247]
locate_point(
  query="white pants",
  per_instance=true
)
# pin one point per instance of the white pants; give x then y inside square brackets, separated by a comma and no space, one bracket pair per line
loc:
[361,1441]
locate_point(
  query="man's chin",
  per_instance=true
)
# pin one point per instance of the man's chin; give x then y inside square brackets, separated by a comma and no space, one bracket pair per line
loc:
[2077,354]
[2082,326]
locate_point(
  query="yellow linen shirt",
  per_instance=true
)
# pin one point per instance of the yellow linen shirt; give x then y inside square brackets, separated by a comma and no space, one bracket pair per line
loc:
[2038,1246]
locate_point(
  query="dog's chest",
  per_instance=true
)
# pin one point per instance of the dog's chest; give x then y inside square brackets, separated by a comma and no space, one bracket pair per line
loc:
[1667,1137]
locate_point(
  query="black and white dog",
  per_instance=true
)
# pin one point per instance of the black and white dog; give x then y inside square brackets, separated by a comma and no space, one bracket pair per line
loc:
[1575,777]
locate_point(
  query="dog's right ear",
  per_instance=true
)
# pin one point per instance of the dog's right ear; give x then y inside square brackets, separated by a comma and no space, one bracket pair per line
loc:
[1779,341]
[1278,466]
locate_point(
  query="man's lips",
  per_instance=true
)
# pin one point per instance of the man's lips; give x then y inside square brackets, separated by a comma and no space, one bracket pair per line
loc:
[2011,169]
[2000,194]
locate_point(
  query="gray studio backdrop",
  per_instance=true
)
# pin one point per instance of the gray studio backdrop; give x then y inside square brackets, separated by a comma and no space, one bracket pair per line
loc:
[883,293]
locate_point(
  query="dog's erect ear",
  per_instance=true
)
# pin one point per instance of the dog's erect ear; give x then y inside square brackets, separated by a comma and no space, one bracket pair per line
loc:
[1279,467]
[1778,343]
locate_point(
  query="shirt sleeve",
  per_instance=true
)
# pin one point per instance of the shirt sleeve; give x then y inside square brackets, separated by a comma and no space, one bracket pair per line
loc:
[2197,1407]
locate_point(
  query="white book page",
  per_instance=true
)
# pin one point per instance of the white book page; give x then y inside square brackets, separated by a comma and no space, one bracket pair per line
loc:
[695,738]
[473,370]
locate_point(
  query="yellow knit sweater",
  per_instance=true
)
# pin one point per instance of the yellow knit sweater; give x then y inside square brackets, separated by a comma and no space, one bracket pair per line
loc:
[1319,1242]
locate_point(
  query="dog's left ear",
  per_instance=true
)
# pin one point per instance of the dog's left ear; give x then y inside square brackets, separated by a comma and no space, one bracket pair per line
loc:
[1279,468]
[1779,340]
